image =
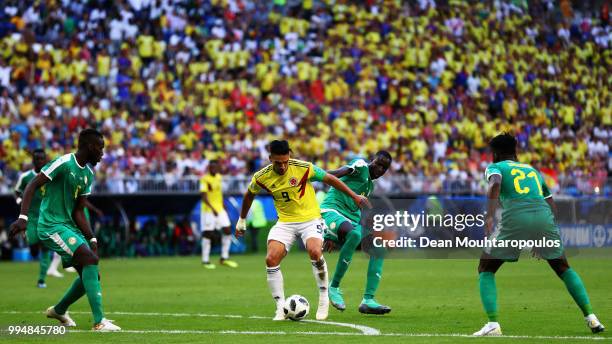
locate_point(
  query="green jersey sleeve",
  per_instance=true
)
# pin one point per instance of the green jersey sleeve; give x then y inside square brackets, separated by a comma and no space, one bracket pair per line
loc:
[491,170]
[21,183]
[545,190]
[318,174]
[55,167]
[358,167]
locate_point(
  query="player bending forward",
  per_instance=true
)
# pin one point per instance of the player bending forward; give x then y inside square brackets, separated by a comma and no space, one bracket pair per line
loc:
[343,219]
[528,214]
[289,182]
[63,227]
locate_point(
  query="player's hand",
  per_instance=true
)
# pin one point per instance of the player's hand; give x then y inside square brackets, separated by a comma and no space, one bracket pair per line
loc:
[489,225]
[328,246]
[362,202]
[99,213]
[17,227]
[240,227]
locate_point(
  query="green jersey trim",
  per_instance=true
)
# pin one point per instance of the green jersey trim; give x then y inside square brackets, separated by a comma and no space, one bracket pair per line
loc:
[319,174]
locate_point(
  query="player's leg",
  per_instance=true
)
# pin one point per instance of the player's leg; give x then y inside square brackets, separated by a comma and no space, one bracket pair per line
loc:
[207,229]
[90,276]
[53,267]
[223,222]
[280,239]
[45,260]
[312,236]
[368,304]
[576,288]
[275,254]
[487,268]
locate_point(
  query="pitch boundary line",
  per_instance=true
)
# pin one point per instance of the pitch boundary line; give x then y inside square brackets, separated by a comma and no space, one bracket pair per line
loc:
[364,330]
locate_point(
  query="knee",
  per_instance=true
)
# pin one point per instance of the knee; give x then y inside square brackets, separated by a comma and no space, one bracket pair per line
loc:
[315,253]
[354,236]
[273,259]
[560,266]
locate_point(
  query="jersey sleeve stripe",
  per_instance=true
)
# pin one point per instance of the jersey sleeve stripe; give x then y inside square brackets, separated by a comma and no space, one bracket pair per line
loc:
[549,196]
[57,163]
[262,186]
[492,173]
[299,163]
[18,186]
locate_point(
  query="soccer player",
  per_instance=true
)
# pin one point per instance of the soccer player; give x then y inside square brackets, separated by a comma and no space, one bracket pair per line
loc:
[342,218]
[39,159]
[527,214]
[214,217]
[63,228]
[289,182]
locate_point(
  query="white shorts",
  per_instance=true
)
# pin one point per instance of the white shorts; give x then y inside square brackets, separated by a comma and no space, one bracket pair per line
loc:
[210,222]
[286,232]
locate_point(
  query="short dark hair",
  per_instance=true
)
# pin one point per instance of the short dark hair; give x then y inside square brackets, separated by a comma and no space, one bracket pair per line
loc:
[87,136]
[384,154]
[279,147]
[503,144]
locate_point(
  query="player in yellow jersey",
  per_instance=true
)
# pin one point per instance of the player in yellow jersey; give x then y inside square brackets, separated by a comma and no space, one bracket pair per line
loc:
[289,182]
[213,217]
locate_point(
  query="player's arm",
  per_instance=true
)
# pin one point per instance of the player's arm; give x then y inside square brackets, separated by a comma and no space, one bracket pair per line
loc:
[19,189]
[93,208]
[21,223]
[247,201]
[336,183]
[342,171]
[78,215]
[493,192]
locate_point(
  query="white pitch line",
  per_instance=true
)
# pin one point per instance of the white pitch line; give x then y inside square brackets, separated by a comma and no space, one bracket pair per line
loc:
[442,335]
[362,329]
[365,330]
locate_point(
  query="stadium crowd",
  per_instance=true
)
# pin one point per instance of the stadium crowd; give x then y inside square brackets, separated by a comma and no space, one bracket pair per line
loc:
[174,84]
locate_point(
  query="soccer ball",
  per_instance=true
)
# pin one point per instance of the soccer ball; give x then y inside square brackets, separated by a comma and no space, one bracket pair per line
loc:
[296,307]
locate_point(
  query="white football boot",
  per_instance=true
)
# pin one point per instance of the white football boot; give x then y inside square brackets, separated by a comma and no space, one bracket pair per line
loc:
[594,323]
[64,319]
[489,329]
[106,326]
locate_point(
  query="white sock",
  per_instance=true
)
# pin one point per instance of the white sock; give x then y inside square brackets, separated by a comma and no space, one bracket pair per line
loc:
[275,283]
[319,270]
[206,243]
[55,262]
[226,242]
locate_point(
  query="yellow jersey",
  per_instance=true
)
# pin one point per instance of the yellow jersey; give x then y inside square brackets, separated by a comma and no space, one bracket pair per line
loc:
[212,187]
[294,196]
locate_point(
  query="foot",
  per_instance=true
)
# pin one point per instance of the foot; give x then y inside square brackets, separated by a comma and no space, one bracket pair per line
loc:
[55,273]
[41,284]
[64,319]
[336,299]
[209,265]
[323,308]
[280,313]
[594,323]
[106,326]
[489,329]
[70,269]
[228,263]
[370,306]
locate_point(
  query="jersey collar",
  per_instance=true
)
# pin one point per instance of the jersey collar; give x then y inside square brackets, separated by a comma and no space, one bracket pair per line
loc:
[76,161]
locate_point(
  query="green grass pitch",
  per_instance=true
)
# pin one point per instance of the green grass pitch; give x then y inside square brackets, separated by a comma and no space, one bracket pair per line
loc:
[175,300]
